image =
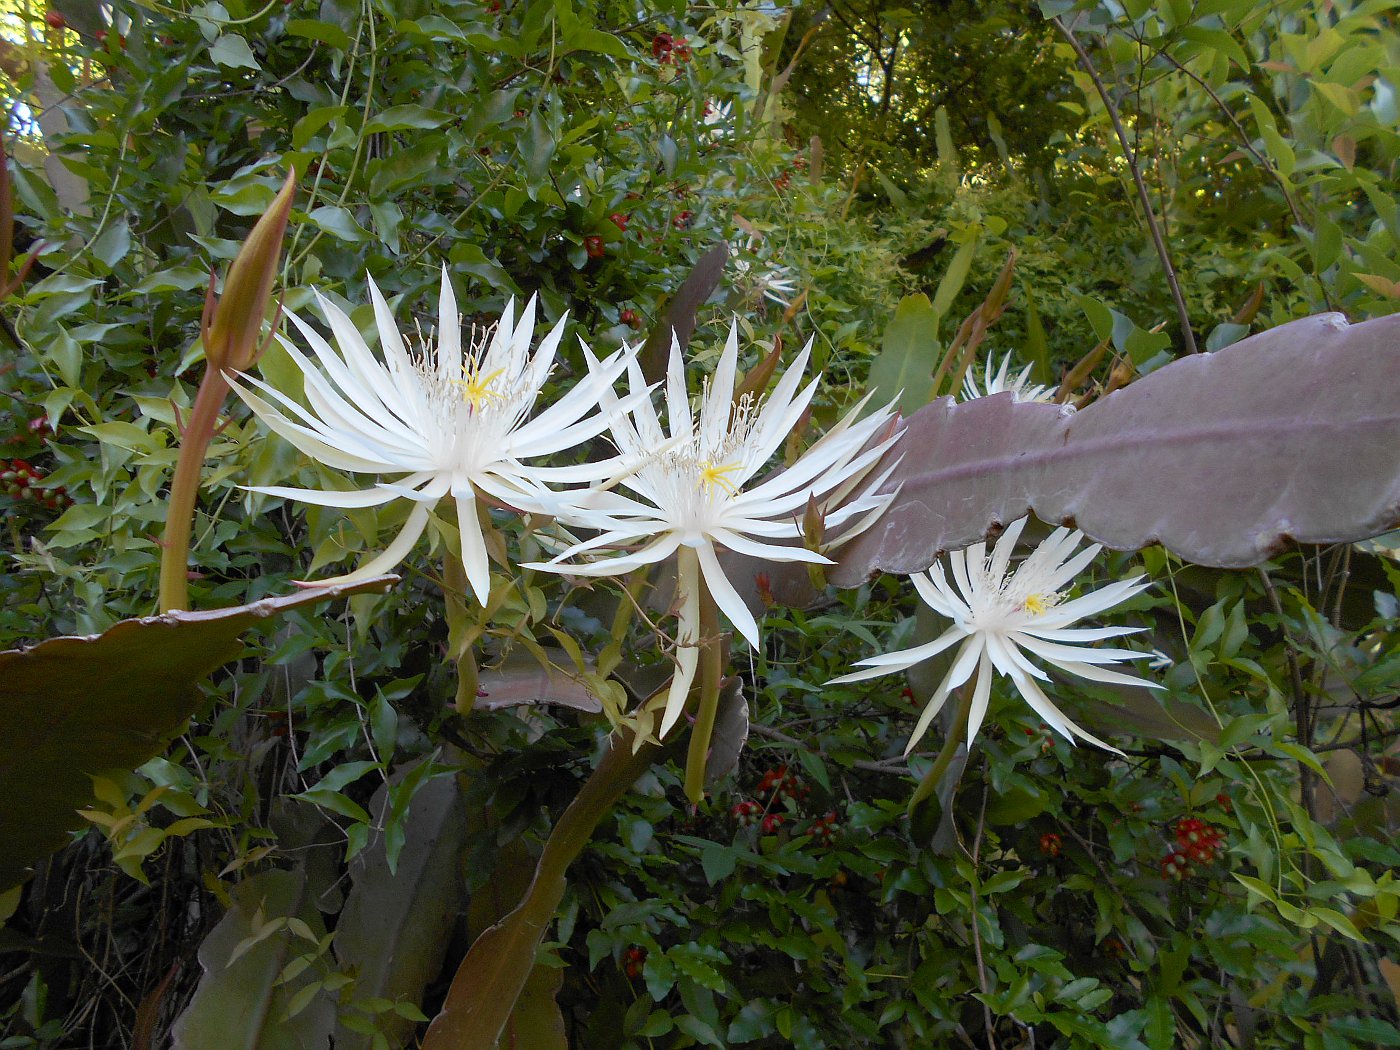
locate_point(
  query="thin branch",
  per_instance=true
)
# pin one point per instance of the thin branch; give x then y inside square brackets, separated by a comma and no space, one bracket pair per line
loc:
[1150,216]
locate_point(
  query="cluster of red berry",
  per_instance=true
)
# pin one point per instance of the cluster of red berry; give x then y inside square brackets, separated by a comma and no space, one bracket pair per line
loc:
[630,318]
[594,246]
[749,812]
[18,480]
[633,959]
[784,784]
[1197,843]
[667,48]
[824,828]
[1051,844]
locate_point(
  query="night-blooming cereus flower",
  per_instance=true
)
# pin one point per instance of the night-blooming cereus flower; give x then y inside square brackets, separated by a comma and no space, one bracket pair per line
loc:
[1005,617]
[456,420]
[1020,386]
[693,492]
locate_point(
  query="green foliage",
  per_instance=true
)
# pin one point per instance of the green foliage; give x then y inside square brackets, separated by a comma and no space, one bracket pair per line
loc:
[591,153]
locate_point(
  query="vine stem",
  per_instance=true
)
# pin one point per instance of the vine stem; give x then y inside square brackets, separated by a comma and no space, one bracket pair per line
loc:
[1150,216]
[184,490]
[711,672]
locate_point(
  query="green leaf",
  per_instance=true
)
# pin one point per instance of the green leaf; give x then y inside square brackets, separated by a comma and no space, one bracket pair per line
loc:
[391,931]
[396,118]
[325,32]
[718,862]
[233,52]
[241,1002]
[597,41]
[309,125]
[57,731]
[955,277]
[910,352]
[338,223]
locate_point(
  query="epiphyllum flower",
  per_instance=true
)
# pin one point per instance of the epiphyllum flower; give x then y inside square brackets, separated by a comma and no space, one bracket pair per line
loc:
[1002,618]
[693,493]
[455,420]
[1021,387]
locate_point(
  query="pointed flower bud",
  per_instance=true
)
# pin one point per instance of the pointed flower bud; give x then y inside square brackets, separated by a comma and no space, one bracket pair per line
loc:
[232,335]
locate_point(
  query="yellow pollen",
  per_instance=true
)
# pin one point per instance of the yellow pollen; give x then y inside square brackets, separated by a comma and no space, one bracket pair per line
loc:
[476,388]
[714,476]
[1038,604]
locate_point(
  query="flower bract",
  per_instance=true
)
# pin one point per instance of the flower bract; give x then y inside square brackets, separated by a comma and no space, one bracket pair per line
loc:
[453,419]
[1003,617]
[695,490]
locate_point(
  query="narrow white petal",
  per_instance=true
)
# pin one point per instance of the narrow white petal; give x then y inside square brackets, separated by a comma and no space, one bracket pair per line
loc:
[474,559]
[901,660]
[935,703]
[981,696]
[393,554]
[687,637]
[374,497]
[725,596]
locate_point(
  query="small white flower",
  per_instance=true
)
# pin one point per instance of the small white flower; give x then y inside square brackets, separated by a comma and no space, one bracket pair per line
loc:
[777,284]
[456,420]
[1003,617]
[716,119]
[1020,386]
[692,492]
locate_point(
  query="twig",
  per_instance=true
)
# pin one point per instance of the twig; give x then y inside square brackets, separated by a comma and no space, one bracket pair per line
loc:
[1183,315]
[987,1020]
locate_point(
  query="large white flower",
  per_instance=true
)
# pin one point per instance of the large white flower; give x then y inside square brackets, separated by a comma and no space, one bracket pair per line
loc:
[1020,386]
[692,493]
[1004,617]
[455,420]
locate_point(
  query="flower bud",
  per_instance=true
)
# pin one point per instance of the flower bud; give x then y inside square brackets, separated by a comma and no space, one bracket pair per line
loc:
[232,336]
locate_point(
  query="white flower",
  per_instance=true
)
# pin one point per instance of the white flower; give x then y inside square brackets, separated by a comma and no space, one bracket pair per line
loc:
[997,614]
[776,284]
[1020,386]
[716,119]
[693,494]
[455,420]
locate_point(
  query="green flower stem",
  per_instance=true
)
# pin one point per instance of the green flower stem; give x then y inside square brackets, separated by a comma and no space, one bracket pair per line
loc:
[461,633]
[184,490]
[711,672]
[490,979]
[929,784]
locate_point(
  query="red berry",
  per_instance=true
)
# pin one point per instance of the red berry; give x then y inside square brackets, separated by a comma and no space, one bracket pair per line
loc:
[661,45]
[100,36]
[682,220]
[680,49]
[1175,866]
[746,812]
[619,220]
[630,318]
[56,20]
[1050,844]
[594,246]
[772,823]
[633,959]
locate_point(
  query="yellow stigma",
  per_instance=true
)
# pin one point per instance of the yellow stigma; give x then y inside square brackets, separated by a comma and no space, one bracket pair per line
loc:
[1038,604]
[476,388]
[715,476]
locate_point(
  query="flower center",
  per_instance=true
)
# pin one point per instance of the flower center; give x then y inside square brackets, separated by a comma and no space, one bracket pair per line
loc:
[476,388]
[1039,604]
[713,475]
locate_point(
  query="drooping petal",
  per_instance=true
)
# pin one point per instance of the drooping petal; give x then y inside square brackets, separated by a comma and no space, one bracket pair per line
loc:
[687,653]
[413,527]
[725,596]
[473,542]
